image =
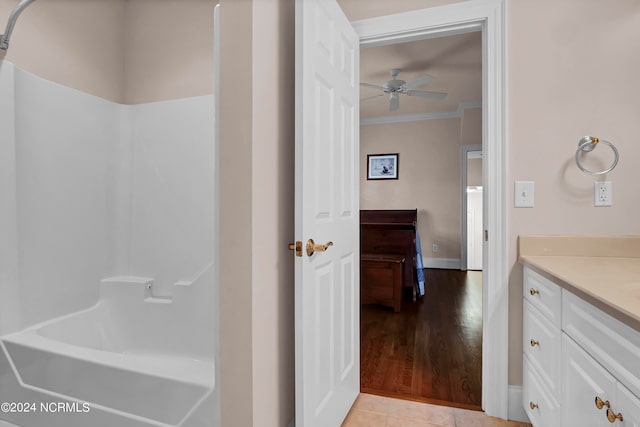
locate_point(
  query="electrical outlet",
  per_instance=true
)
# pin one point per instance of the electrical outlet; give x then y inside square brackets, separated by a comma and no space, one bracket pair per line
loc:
[434,248]
[602,193]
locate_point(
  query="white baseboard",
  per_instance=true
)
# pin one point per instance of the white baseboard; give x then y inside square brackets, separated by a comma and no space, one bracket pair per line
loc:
[516,411]
[443,263]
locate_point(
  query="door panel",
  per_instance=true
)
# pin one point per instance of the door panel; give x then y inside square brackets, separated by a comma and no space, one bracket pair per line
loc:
[327,206]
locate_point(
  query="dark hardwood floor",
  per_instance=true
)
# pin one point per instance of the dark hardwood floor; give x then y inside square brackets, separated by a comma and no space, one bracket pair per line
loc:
[432,350]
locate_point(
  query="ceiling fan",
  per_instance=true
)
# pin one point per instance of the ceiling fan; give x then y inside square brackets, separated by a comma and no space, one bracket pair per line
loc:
[395,87]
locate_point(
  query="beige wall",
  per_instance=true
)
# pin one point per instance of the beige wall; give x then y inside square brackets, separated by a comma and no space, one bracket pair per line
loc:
[256,213]
[363,9]
[471,134]
[474,172]
[578,76]
[75,43]
[273,219]
[428,178]
[236,203]
[126,51]
[169,49]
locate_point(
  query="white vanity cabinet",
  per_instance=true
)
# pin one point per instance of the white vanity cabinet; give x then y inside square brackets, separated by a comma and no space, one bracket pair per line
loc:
[581,366]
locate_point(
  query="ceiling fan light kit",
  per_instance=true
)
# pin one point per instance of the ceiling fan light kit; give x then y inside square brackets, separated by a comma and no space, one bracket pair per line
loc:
[396,86]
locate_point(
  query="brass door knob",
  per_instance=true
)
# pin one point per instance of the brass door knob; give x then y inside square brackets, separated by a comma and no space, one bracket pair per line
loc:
[612,417]
[313,247]
[297,246]
[602,403]
[532,405]
[534,342]
[533,292]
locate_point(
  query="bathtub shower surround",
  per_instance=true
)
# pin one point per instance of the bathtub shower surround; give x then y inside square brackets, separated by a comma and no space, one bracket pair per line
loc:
[126,357]
[107,296]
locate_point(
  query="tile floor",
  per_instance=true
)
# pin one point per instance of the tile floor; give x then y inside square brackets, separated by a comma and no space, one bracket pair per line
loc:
[376,411]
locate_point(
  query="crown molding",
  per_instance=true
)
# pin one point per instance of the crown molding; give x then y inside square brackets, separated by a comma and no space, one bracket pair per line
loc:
[421,116]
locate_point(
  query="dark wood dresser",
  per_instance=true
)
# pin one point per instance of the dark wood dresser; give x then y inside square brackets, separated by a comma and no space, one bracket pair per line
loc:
[392,232]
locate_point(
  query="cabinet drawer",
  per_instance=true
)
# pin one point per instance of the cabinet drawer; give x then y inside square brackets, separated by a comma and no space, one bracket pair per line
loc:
[542,408]
[542,344]
[613,344]
[543,294]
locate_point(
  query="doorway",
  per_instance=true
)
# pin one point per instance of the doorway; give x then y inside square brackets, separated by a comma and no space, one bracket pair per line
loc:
[402,353]
[457,19]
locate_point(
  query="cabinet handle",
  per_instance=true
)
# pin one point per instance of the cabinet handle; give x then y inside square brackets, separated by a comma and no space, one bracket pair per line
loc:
[533,292]
[534,342]
[612,417]
[602,403]
[532,405]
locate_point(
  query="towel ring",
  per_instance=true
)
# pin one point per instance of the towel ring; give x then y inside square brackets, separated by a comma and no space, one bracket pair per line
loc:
[587,144]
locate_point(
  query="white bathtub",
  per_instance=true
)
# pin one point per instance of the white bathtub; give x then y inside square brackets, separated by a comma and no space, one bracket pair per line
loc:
[134,359]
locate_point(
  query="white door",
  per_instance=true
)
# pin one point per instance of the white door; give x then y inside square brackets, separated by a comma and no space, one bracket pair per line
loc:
[327,293]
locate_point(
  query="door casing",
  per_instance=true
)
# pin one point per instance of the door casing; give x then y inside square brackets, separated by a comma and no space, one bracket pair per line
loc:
[487,16]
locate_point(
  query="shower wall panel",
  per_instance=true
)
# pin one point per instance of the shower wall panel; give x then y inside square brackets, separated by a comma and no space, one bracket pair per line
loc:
[65,157]
[94,189]
[172,177]
[9,286]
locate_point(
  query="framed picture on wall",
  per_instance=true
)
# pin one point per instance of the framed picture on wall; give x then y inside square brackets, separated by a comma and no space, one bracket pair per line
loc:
[382,166]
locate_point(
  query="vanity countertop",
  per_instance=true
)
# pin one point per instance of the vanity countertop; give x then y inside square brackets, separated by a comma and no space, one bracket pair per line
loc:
[603,270]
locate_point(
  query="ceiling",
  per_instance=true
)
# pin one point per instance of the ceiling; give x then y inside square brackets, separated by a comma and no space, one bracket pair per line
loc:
[454,61]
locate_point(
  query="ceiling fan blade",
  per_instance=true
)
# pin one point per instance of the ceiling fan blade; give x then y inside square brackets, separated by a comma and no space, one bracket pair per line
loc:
[394,101]
[368,98]
[427,94]
[373,86]
[419,82]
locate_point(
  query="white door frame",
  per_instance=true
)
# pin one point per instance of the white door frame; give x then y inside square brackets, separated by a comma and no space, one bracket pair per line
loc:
[464,150]
[458,18]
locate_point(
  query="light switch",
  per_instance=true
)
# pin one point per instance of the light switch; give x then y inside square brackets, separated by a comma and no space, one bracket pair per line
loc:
[524,194]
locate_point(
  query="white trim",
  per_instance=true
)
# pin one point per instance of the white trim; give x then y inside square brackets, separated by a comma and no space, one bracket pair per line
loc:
[421,116]
[443,263]
[516,410]
[490,17]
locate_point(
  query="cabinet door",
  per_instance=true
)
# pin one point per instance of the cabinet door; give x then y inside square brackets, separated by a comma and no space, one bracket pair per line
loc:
[628,405]
[541,406]
[583,380]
